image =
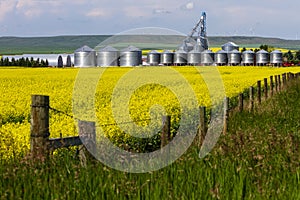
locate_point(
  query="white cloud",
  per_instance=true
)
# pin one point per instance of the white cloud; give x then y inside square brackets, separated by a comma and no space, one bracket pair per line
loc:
[6,7]
[187,6]
[97,13]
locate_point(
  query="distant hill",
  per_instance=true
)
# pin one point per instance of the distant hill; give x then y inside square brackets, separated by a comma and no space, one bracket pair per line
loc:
[67,44]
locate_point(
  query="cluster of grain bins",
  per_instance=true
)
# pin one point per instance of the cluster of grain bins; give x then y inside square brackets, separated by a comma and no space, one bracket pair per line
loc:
[107,56]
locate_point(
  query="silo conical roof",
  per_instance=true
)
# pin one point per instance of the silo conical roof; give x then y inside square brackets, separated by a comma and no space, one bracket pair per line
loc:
[276,51]
[84,48]
[230,44]
[108,49]
[180,51]
[234,51]
[248,51]
[221,51]
[167,51]
[207,51]
[130,48]
[153,51]
[262,51]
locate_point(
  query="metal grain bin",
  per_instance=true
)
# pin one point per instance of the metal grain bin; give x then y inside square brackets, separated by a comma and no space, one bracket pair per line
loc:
[153,58]
[276,58]
[180,57]
[207,57]
[166,58]
[248,58]
[85,57]
[221,58]
[230,46]
[130,56]
[108,56]
[262,58]
[234,57]
[194,57]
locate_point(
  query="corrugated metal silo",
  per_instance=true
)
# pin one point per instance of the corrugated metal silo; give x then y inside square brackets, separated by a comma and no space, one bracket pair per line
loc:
[230,46]
[194,57]
[221,58]
[130,56]
[108,56]
[276,58]
[248,58]
[153,58]
[85,57]
[234,57]
[180,57]
[166,58]
[207,57]
[262,58]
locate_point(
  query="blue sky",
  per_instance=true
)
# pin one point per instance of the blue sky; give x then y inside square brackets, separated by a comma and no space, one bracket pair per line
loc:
[269,18]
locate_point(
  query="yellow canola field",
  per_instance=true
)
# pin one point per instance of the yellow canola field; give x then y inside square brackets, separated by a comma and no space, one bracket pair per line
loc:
[18,84]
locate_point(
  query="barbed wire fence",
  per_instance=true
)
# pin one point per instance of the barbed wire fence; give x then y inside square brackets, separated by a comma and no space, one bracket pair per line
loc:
[40,107]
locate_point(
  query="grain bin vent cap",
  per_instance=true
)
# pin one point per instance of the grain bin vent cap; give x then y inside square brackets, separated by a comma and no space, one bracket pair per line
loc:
[108,49]
[84,48]
[130,48]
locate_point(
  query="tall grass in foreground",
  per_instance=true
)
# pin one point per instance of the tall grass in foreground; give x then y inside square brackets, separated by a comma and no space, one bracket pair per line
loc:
[258,159]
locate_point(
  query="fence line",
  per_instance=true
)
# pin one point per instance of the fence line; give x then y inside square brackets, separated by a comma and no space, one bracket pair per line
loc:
[41,145]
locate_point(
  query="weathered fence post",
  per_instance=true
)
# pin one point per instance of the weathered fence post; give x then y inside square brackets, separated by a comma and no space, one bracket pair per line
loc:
[271,85]
[276,83]
[202,126]
[166,132]
[87,133]
[279,83]
[266,87]
[39,126]
[283,80]
[226,115]
[241,102]
[259,92]
[251,98]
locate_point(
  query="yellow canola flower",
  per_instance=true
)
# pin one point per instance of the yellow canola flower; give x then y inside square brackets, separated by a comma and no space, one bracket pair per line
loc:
[18,84]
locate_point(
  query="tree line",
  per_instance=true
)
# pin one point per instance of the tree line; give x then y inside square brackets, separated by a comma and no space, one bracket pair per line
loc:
[24,62]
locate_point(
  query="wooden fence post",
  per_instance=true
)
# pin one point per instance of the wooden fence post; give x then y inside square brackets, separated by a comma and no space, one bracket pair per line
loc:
[166,132]
[283,80]
[202,126]
[276,83]
[271,86]
[241,102]
[39,126]
[226,115]
[259,92]
[279,83]
[251,98]
[266,87]
[87,133]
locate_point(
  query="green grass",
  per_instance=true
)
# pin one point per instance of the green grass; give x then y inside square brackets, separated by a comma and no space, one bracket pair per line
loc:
[257,159]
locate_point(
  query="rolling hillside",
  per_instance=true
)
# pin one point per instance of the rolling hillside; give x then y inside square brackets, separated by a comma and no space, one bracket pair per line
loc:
[67,44]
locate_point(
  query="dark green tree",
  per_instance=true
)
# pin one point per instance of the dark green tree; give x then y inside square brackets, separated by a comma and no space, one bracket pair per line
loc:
[60,62]
[289,56]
